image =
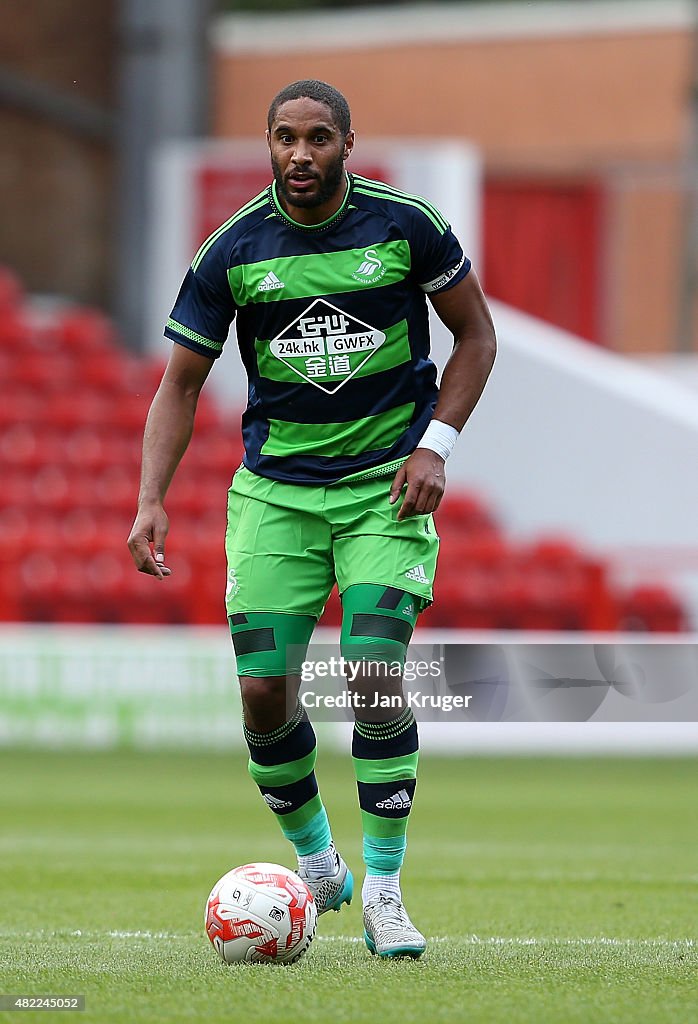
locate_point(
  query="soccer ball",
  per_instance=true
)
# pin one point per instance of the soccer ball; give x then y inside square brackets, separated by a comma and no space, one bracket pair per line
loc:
[260,913]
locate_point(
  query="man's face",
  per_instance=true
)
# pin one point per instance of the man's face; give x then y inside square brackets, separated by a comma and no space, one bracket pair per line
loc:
[307,158]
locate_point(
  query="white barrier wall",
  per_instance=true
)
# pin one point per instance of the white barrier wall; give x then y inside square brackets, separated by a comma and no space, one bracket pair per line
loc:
[105,687]
[570,437]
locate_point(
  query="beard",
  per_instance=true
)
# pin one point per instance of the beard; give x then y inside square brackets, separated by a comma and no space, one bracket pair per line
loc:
[328,185]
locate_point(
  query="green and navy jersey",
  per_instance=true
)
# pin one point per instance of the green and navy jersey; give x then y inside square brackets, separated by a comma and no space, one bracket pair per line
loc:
[332,324]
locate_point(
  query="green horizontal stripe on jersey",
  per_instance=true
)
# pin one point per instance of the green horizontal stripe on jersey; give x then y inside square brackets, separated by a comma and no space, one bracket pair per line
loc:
[353,437]
[321,274]
[394,351]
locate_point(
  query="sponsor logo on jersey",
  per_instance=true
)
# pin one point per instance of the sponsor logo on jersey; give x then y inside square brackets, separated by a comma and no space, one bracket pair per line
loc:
[417,574]
[408,610]
[270,283]
[396,802]
[370,270]
[326,346]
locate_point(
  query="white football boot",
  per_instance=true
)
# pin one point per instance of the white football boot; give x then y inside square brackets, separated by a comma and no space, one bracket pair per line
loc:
[330,891]
[388,930]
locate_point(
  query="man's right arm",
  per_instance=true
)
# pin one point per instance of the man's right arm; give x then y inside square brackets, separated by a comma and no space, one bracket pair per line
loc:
[168,431]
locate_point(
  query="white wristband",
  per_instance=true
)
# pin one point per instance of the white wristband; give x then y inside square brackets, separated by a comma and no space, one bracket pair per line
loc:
[440,438]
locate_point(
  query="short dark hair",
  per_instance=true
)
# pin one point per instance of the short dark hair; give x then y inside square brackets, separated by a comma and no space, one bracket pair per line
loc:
[322,92]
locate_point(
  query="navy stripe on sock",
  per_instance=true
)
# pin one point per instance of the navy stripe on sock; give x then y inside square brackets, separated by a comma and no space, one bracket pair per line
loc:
[286,799]
[297,744]
[372,750]
[391,795]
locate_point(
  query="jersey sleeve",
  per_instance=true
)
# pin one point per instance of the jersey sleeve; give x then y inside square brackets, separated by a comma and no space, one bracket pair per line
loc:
[438,261]
[204,310]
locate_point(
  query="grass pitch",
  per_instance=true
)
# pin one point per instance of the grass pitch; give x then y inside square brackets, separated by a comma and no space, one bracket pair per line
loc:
[551,890]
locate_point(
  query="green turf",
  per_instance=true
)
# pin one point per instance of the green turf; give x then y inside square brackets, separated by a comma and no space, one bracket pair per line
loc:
[551,890]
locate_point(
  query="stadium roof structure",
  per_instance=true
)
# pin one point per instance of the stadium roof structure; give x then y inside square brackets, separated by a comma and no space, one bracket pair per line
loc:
[444,22]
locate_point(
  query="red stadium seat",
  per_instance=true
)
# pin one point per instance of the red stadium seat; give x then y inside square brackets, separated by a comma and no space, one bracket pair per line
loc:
[19,406]
[47,373]
[73,406]
[103,371]
[17,491]
[67,411]
[652,608]
[460,514]
[87,330]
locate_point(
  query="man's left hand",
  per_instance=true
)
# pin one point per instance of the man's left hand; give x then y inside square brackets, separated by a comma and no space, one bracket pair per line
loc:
[424,473]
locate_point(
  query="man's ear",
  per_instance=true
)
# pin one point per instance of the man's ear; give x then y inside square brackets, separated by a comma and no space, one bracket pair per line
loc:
[348,144]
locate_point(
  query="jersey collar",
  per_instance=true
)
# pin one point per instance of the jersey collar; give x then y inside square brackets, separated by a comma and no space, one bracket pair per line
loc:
[324,224]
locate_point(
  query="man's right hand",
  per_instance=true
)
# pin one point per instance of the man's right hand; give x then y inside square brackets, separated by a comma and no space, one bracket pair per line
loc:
[146,541]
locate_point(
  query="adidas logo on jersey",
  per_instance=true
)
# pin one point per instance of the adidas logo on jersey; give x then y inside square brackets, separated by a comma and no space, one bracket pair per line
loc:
[270,283]
[275,802]
[417,574]
[396,802]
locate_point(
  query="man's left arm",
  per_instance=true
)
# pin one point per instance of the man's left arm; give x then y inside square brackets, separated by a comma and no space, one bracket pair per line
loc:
[463,310]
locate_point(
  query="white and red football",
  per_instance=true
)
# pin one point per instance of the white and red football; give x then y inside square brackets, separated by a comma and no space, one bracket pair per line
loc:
[260,913]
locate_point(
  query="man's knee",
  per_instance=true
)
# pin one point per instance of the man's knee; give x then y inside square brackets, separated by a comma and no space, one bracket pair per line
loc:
[267,703]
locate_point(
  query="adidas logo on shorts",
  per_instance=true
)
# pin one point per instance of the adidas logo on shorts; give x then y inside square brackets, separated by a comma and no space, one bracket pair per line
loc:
[275,802]
[396,802]
[417,574]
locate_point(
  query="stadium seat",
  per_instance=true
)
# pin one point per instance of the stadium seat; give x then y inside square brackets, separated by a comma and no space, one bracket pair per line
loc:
[47,373]
[20,406]
[86,330]
[73,405]
[652,608]
[464,513]
[17,490]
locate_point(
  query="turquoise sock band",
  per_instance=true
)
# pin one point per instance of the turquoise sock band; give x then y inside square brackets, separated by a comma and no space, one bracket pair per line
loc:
[384,855]
[312,837]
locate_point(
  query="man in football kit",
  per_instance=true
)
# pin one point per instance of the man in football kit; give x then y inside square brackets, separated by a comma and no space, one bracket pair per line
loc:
[346,436]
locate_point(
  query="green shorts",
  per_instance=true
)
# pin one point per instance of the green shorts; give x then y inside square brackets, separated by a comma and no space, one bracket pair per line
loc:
[286,544]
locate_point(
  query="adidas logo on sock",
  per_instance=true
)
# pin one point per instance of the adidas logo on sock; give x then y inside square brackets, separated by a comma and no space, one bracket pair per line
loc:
[270,282]
[275,802]
[417,574]
[396,802]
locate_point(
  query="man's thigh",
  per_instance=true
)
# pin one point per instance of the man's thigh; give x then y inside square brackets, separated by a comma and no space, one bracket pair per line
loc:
[372,546]
[279,552]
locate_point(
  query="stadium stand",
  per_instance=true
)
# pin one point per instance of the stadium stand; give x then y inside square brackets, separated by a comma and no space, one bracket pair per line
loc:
[73,404]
